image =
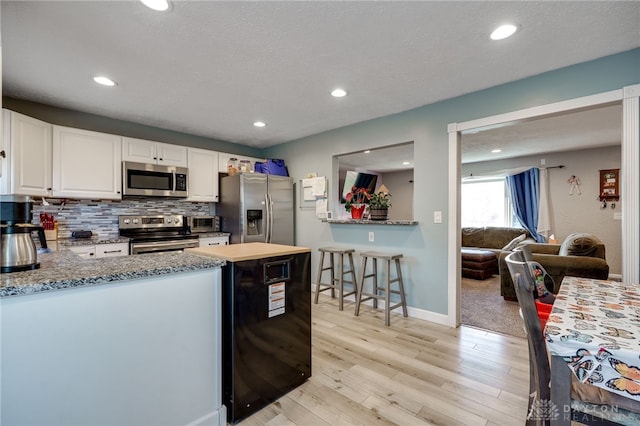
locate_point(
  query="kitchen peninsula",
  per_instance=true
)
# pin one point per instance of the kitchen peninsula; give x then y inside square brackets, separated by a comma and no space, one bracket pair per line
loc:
[130,340]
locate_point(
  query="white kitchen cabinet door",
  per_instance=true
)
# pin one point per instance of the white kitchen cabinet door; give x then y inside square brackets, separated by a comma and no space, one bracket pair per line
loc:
[112,250]
[213,241]
[203,175]
[172,155]
[151,152]
[86,164]
[85,252]
[26,170]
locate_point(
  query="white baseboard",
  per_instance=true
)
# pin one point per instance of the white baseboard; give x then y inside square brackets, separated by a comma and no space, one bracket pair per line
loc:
[417,313]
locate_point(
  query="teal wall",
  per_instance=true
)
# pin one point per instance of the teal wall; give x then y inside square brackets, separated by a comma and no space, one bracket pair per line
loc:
[425,245]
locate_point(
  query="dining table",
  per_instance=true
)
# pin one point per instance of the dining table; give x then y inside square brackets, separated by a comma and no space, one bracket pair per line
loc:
[593,332]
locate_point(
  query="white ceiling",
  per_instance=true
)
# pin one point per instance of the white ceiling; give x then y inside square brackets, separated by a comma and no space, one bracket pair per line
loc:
[213,68]
[567,132]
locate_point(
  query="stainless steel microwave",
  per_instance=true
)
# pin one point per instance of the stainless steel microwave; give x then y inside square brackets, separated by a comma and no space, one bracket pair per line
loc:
[203,224]
[154,180]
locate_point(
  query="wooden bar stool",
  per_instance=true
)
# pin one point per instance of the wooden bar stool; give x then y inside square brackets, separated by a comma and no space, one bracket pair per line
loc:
[337,275]
[386,285]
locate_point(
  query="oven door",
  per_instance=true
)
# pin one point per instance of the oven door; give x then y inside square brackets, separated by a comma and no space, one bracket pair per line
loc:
[160,246]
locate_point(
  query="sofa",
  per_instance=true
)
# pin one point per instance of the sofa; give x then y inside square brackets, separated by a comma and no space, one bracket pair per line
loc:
[482,246]
[580,255]
[492,238]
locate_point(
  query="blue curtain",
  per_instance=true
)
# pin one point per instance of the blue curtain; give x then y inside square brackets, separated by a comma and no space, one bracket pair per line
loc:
[524,189]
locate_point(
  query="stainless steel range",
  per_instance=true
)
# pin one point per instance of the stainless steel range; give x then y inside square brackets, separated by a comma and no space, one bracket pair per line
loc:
[152,234]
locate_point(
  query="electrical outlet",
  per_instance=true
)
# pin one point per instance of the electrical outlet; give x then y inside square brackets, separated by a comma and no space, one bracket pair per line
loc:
[437,216]
[371,237]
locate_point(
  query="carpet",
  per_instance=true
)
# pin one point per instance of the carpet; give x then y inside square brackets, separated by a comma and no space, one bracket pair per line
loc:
[483,307]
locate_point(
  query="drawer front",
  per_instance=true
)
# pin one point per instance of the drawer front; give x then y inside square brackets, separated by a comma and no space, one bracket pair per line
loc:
[112,250]
[214,241]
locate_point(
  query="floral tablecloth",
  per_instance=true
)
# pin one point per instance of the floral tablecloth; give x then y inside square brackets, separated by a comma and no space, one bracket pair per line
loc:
[595,326]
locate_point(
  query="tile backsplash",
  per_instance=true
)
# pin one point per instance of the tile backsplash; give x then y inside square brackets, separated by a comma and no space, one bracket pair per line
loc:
[101,216]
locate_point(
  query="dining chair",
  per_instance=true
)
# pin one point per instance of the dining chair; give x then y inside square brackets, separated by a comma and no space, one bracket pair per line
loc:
[540,370]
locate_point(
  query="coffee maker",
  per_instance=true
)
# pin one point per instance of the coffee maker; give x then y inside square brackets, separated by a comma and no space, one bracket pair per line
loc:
[18,250]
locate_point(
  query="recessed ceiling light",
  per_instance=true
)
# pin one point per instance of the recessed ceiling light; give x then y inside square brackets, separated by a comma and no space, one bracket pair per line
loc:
[495,151]
[406,163]
[105,81]
[503,31]
[259,124]
[367,151]
[159,5]
[338,93]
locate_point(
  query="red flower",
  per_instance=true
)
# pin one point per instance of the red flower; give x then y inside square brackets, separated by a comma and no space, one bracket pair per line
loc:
[356,196]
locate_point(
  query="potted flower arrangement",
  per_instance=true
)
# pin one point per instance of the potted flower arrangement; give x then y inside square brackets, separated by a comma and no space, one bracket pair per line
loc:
[355,201]
[379,205]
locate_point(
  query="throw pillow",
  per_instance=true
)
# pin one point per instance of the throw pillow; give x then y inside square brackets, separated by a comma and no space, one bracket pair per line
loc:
[579,244]
[514,243]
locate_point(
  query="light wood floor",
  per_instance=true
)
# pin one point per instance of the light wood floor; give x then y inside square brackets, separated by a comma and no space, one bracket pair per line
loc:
[411,373]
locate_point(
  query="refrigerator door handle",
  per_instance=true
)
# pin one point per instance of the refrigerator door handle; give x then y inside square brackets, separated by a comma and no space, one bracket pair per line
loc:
[267,209]
[270,216]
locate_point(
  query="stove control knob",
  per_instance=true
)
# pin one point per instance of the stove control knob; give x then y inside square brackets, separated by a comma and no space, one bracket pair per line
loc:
[126,221]
[135,221]
[168,220]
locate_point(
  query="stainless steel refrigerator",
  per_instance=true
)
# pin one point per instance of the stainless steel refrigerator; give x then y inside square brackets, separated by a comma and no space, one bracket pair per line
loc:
[257,207]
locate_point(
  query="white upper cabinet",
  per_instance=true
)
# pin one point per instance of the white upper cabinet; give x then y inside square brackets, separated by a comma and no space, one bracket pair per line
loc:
[26,165]
[86,164]
[203,175]
[150,152]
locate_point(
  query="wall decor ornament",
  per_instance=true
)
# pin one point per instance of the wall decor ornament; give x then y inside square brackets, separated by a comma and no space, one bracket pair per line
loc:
[609,185]
[574,181]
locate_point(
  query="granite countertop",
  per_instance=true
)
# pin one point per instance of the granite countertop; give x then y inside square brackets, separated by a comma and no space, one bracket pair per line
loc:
[371,222]
[94,240]
[65,269]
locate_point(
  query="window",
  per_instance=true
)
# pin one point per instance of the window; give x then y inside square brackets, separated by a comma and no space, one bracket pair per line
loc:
[485,203]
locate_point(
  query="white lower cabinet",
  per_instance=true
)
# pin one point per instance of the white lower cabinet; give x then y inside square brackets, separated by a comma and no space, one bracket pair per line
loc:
[86,164]
[213,241]
[85,252]
[101,250]
[112,250]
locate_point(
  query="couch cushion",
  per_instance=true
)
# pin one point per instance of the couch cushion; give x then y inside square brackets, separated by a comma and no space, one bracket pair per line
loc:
[579,244]
[497,237]
[472,237]
[514,243]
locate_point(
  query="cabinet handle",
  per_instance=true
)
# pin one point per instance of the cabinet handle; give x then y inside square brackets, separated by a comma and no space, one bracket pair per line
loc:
[162,159]
[3,154]
[112,251]
[49,189]
[155,158]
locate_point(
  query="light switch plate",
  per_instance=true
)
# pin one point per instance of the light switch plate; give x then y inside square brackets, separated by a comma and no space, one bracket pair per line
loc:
[437,216]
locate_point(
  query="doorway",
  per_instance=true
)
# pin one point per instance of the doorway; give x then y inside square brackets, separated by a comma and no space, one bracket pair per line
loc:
[629,97]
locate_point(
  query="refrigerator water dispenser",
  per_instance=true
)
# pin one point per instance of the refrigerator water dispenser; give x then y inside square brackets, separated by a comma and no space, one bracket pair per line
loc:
[254,222]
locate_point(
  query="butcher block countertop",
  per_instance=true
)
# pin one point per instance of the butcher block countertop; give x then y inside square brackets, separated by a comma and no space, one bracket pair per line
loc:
[247,251]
